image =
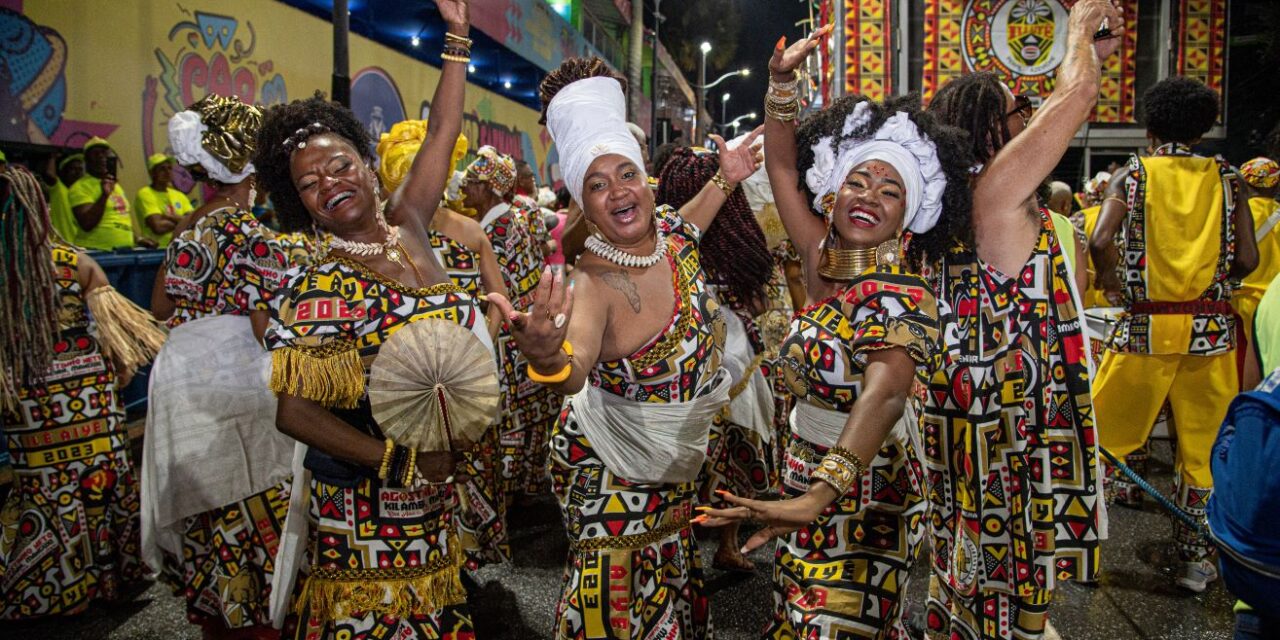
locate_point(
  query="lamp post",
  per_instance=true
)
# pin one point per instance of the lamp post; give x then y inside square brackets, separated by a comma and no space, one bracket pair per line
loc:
[705,47]
[724,107]
[653,82]
[735,121]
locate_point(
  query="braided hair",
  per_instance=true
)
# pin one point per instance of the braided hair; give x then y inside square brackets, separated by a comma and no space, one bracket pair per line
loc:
[976,103]
[954,154]
[571,71]
[272,158]
[28,290]
[733,250]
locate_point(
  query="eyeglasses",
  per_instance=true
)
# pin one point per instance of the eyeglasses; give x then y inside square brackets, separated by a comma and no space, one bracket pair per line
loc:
[1023,107]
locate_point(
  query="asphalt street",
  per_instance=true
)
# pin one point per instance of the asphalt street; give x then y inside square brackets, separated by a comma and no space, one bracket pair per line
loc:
[1136,597]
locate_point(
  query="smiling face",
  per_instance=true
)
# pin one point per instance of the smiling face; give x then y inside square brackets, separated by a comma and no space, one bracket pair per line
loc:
[870,206]
[336,186]
[617,199]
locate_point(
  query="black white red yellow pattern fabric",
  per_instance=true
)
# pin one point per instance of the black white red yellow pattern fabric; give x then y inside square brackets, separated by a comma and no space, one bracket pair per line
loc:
[372,533]
[459,262]
[845,574]
[1009,443]
[69,528]
[634,569]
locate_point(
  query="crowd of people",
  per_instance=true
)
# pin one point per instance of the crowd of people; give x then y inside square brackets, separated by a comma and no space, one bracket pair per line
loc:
[874,334]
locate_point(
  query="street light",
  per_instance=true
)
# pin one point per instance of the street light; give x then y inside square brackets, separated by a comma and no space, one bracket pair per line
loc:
[705,47]
[740,72]
[724,107]
[734,123]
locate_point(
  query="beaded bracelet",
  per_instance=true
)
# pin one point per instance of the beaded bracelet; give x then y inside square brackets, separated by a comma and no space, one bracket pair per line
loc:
[386,460]
[398,460]
[411,468]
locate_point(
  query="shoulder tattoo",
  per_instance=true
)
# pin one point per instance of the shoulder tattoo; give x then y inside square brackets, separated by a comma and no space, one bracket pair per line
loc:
[620,281]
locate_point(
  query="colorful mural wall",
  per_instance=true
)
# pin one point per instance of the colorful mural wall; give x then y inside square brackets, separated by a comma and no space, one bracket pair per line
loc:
[1024,41]
[71,70]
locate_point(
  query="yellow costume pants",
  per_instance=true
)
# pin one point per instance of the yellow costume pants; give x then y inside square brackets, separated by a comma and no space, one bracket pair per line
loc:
[1130,388]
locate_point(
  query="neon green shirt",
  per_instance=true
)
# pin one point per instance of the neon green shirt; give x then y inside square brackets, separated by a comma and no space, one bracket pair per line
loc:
[60,212]
[1266,329]
[150,202]
[116,227]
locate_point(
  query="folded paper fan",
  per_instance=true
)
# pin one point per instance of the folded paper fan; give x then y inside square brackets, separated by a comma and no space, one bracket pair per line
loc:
[434,386]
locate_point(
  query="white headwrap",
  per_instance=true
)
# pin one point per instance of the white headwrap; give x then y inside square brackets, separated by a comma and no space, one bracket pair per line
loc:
[897,142]
[186,131]
[588,119]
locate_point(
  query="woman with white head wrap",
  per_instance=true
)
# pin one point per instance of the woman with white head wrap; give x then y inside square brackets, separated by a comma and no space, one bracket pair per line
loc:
[876,177]
[640,361]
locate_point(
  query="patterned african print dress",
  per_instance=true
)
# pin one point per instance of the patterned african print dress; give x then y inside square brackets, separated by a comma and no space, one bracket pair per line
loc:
[383,560]
[528,408]
[1009,446]
[845,574]
[482,515]
[775,325]
[634,570]
[226,264]
[69,528]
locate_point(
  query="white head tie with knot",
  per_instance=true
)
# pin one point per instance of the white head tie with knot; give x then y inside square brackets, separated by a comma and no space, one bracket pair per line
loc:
[588,119]
[186,134]
[898,143]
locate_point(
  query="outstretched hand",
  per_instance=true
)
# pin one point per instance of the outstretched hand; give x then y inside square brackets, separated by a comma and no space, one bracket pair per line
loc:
[455,12]
[779,517]
[541,330]
[737,164]
[787,59]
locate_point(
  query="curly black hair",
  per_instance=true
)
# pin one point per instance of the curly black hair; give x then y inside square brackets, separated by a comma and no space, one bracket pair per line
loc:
[272,159]
[1179,109]
[955,154]
[733,250]
[570,71]
[976,103]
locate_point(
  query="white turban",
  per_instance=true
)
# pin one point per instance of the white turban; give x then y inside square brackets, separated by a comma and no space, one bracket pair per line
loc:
[898,143]
[588,119]
[186,133]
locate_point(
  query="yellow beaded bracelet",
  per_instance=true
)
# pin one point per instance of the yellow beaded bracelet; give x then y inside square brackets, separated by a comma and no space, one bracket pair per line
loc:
[385,469]
[557,377]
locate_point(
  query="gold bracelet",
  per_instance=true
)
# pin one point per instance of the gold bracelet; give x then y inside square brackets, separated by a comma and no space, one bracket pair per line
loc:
[410,468]
[457,39]
[840,468]
[720,181]
[452,58]
[386,460]
[557,377]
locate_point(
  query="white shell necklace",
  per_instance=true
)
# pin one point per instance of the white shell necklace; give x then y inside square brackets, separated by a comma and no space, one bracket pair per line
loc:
[391,246]
[602,248]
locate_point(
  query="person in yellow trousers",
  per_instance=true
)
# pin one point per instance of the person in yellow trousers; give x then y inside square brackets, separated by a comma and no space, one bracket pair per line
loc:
[1262,181]
[1172,236]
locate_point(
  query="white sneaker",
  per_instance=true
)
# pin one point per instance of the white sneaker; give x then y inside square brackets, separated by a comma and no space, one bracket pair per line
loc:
[1197,575]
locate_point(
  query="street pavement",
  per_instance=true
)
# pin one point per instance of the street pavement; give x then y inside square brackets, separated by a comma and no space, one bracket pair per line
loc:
[1136,597]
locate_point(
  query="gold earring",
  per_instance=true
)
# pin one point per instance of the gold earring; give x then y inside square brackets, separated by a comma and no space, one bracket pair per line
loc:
[888,253]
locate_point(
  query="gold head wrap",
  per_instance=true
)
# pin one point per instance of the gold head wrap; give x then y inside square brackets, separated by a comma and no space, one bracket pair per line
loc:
[397,149]
[217,130]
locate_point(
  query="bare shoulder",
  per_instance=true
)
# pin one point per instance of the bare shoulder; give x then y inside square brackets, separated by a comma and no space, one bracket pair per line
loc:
[462,229]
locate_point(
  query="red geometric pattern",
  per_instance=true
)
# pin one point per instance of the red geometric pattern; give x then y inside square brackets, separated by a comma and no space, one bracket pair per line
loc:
[868,50]
[1202,33]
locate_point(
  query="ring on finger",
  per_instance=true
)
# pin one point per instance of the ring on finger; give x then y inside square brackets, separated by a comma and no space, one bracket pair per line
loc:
[559,320]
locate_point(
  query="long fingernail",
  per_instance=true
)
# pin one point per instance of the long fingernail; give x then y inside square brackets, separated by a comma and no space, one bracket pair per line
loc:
[702,507]
[743,550]
[722,492]
[698,520]
[782,43]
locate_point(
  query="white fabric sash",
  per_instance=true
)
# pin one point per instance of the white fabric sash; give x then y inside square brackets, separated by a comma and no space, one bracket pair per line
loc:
[650,442]
[753,406]
[823,426]
[211,437]
[293,540]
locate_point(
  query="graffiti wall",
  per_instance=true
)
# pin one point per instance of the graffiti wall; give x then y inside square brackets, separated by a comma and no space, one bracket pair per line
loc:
[73,69]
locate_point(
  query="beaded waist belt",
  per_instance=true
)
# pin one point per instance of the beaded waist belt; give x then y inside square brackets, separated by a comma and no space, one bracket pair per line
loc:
[635,540]
[1195,307]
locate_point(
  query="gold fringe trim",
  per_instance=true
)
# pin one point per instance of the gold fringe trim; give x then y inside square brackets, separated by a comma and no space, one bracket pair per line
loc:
[332,375]
[335,594]
[128,334]
[746,377]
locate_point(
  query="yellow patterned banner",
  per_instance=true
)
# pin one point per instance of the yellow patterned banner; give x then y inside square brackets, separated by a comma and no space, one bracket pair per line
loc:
[1202,32]
[1024,41]
[868,51]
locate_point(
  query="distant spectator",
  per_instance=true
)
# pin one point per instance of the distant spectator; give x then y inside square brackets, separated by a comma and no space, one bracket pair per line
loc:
[1060,198]
[562,199]
[4,162]
[526,181]
[99,205]
[159,207]
[59,176]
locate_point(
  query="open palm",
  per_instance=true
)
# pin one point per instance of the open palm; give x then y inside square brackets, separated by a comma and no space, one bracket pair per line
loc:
[454,12]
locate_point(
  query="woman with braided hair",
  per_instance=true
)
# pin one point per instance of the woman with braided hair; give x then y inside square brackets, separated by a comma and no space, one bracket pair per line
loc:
[861,187]
[69,528]
[215,474]
[739,267]
[640,361]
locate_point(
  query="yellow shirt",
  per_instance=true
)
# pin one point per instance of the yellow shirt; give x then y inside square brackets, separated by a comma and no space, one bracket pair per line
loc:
[150,202]
[115,229]
[1266,333]
[60,212]
[1266,214]
[1091,296]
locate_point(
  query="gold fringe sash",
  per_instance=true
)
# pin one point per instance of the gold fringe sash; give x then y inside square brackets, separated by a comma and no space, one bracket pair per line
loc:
[128,334]
[331,375]
[335,594]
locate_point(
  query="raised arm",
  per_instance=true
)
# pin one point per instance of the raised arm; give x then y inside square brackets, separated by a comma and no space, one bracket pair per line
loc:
[736,165]
[1011,177]
[780,158]
[416,200]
